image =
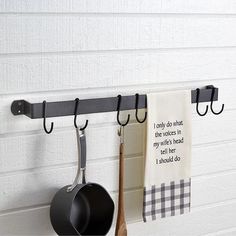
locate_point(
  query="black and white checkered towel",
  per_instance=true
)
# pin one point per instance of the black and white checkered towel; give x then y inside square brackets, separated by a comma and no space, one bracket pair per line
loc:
[167,180]
[167,200]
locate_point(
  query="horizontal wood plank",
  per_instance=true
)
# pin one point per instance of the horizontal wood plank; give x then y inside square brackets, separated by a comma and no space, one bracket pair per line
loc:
[34,151]
[213,158]
[38,187]
[36,222]
[39,150]
[132,201]
[198,222]
[225,232]
[37,73]
[221,127]
[114,6]
[53,33]
[205,130]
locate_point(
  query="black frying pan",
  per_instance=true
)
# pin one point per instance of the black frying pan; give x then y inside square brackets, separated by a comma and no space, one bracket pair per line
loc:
[82,209]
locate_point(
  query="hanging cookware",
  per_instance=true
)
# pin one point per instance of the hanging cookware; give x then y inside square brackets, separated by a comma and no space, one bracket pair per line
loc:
[82,209]
[121,228]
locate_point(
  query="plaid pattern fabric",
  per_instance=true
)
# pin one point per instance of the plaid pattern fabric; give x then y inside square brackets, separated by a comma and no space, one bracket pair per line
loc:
[166,200]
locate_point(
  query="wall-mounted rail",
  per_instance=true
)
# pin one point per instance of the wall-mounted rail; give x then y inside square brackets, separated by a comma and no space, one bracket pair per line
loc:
[96,105]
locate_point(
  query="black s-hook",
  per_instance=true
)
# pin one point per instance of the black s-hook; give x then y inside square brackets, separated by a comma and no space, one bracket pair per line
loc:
[212,97]
[44,119]
[118,113]
[136,112]
[75,115]
[200,114]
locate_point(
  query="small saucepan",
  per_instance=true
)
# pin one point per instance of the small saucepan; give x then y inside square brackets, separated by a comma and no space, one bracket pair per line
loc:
[82,209]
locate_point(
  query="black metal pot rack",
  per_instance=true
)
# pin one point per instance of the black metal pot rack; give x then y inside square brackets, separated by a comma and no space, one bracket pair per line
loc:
[96,105]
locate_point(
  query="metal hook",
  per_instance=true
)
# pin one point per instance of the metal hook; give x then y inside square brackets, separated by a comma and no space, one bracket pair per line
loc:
[200,114]
[44,119]
[118,113]
[212,97]
[75,115]
[136,112]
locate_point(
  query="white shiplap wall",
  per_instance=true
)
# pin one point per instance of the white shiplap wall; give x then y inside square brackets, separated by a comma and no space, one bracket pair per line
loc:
[59,50]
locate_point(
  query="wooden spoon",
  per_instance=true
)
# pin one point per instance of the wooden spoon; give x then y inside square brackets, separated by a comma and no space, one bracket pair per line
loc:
[121,229]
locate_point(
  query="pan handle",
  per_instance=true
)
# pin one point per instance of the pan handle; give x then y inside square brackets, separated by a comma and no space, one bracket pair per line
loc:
[81,144]
[83,155]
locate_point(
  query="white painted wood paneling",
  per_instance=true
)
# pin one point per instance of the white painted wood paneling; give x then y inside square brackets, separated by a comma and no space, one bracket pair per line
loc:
[227,232]
[114,6]
[90,70]
[219,156]
[38,187]
[59,149]
[60,50]
[53,33]
[200,221]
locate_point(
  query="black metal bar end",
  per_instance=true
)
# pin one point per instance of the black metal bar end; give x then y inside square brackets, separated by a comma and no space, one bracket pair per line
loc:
[18,107]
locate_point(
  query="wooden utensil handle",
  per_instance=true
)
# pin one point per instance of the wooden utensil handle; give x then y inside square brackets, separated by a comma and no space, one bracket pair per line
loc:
[121,229]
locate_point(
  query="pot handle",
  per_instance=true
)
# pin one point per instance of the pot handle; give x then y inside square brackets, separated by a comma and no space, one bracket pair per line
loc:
[81,145]
[83,153]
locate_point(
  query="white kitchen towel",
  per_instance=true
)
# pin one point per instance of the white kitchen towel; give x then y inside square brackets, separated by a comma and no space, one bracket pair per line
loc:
[167,177]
